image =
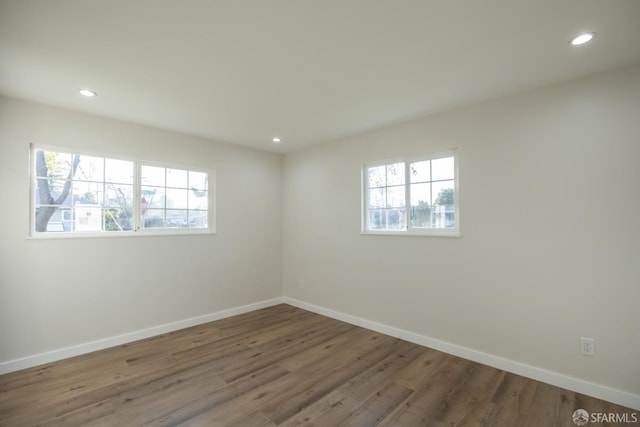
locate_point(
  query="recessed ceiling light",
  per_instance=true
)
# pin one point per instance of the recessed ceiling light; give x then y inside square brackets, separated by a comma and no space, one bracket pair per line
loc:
[276,140]
[87,93]
[582,38]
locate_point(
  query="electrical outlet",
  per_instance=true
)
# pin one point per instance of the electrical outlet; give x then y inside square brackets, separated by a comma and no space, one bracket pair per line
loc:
[587,346]
[302,284]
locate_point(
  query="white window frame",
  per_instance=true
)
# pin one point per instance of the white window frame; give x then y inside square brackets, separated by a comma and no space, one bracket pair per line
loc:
[408,230]
[137,229]
[177,230]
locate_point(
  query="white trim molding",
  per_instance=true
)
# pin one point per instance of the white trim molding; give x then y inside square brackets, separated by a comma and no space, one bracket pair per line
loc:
[101,344]
[554,378]
[599,391]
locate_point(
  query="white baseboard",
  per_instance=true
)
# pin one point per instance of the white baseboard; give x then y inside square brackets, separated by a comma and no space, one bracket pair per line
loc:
[76,350]
[554,378]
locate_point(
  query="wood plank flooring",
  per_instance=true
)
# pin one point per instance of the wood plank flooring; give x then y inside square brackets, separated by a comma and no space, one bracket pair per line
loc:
[280,366]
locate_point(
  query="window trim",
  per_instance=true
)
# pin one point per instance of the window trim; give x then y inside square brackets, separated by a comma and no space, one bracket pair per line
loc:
[408,230]
[137,230]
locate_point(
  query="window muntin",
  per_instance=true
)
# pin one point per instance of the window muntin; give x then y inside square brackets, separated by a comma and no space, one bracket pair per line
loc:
[386,196]
[411,197]
[75,194]
[173,198]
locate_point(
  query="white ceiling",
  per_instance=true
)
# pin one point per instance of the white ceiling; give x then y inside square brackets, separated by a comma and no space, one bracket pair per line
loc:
[244,71]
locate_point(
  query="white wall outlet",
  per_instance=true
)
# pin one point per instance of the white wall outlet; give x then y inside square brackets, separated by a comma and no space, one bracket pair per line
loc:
[587,346]
[302,284]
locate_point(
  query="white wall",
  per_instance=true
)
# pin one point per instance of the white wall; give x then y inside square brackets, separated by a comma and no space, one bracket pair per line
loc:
[550,222]
[549,250]
[65,292]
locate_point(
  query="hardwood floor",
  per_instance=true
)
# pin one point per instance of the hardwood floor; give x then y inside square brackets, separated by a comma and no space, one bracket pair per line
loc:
[281,366]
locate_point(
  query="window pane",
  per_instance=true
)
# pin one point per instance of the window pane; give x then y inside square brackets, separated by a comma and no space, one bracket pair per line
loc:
[119,196]
[118,171]
[84,192]
[177,218]
[153,218]
[56,218]
[395,196]
[377,197]
[386,219]
[152,197]
[198,199]
[443,193]
[90,169]
[377,219]
[118,214]
[420,171]
[443,215]
[177,199]
[420,194]
[50,197]
[377,176]
[421,216]
[395,219]
[442,169]
[117,219]
[420,212]
[198,219]
[198,180]
[87,218]
[152,175]
[177,178]
[56,165]
[395,174]
[55,187]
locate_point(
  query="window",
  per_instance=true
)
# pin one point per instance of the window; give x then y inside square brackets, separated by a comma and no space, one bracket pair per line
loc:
[173,198]
[411,197]
[84,194]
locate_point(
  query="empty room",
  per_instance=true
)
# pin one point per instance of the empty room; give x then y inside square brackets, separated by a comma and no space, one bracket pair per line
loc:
[320,213]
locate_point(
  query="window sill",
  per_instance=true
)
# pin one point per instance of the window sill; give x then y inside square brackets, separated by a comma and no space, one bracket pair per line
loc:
[121,234]
[414,233]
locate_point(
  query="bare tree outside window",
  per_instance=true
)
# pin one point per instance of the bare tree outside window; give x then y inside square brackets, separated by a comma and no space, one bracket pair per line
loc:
[77,193]
[49,203]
